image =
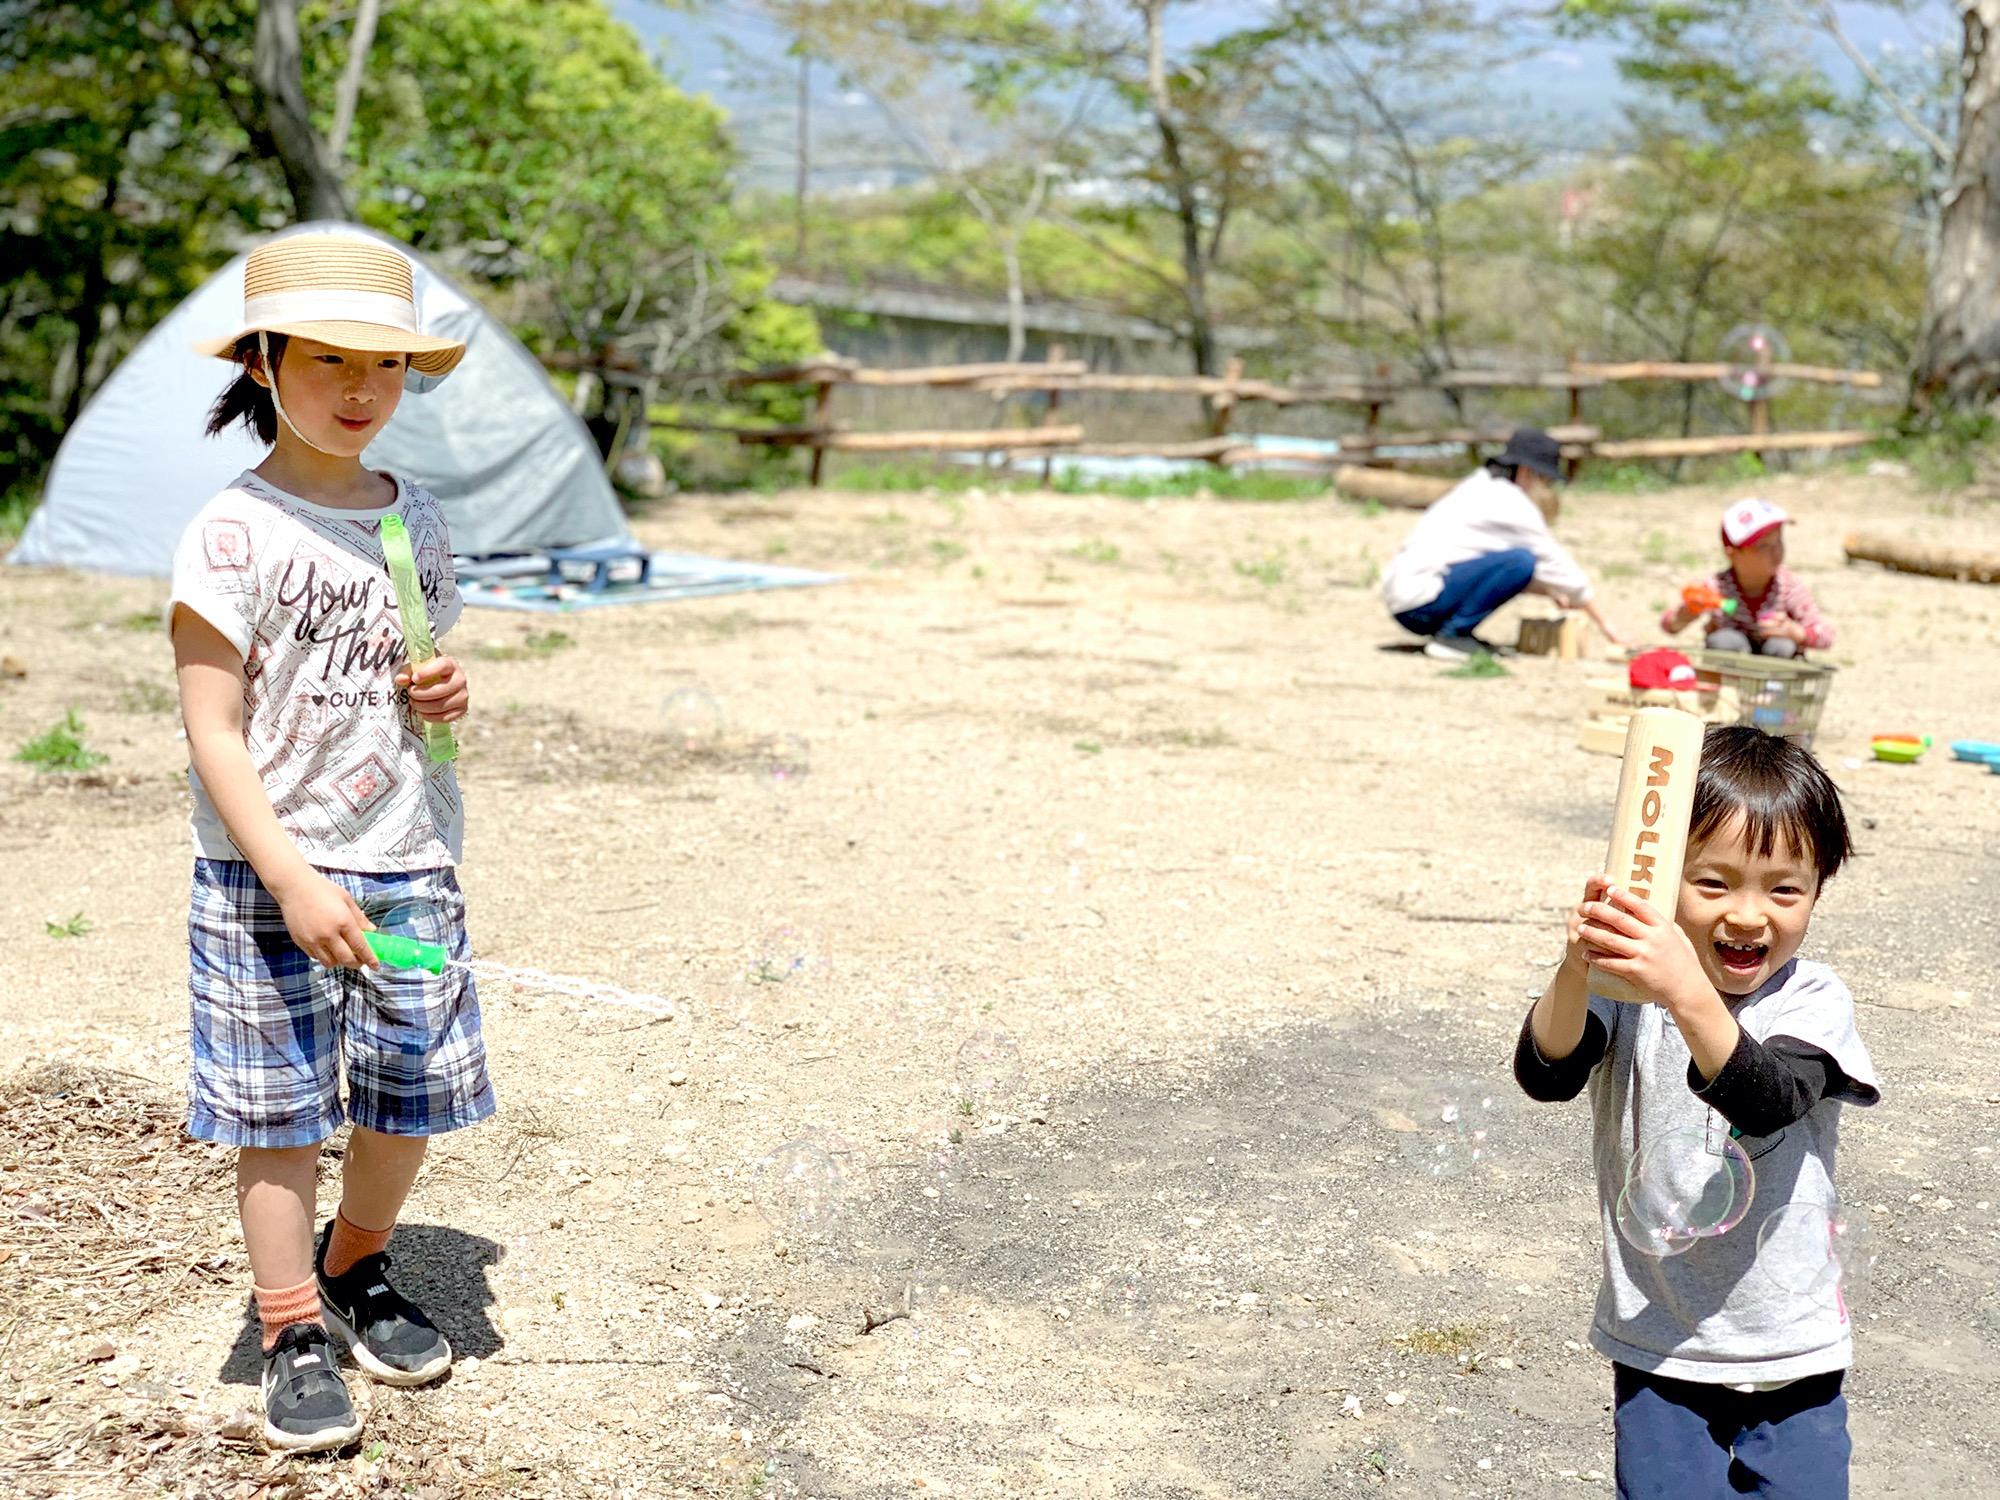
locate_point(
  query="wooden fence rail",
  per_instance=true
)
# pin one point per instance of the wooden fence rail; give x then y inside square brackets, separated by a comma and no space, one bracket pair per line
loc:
[1223,394]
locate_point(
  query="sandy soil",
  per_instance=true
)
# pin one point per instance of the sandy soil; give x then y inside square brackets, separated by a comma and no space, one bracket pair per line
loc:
[1135,905]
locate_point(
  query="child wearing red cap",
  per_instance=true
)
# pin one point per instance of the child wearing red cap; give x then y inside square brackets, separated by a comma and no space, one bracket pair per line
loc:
[1774,614]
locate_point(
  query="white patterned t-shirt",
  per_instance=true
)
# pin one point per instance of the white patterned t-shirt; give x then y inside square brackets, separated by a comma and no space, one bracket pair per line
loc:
[303,592]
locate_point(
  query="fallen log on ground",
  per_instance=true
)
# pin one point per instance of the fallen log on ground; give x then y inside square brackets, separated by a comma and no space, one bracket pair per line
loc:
[1388,487]
[1932,561]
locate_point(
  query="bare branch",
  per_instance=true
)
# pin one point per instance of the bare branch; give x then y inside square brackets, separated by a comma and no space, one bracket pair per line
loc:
[1097,242]
[348,93]
[1828,18]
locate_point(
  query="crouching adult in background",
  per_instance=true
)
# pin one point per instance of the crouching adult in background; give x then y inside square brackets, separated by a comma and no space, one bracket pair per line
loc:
[1481,543]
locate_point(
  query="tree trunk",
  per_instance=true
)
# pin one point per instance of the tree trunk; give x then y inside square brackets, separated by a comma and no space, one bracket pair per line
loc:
[1187,203]
[302,157]
[1958,361]
[94,290]
[1017,302]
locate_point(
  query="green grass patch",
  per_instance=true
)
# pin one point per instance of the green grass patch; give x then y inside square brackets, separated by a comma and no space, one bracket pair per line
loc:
[1096,550]
[144,697]
[1623,479]
[1221,484]
[16,505]
[1449,1340]
[1943,453]
[61,748]
[1088,747]
[1270,571]
[74,926]
[1482,664]
[957,479]
[1197,739]
[944,552]
[537,645]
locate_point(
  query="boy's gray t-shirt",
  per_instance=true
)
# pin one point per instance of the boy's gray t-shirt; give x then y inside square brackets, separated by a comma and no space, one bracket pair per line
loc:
[1713,1313]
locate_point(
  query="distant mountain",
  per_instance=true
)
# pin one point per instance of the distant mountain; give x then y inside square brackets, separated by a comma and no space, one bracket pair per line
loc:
[1561,92]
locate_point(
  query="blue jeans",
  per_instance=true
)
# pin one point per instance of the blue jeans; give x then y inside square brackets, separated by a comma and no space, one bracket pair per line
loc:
[1680,1440]
[1472,590]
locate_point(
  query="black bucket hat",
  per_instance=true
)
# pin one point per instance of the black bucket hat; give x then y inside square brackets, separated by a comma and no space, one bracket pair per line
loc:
[1531,448]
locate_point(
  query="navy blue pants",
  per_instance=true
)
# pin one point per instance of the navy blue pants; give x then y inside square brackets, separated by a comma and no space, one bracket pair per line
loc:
[1472,590]
[1680,1440]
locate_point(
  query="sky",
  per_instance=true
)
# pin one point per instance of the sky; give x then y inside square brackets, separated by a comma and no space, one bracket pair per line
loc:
[724,49]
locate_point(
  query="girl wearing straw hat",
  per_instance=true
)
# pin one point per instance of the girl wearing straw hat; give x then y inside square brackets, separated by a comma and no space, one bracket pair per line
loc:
[318,816]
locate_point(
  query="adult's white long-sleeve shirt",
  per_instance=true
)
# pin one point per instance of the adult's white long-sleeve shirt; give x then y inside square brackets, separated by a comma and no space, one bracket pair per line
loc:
[1482,513]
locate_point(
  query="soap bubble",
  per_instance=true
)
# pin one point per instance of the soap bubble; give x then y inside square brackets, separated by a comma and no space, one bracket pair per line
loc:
[1748,353]
[939,1144]
[801,1187]
[1816,1251]
[797,957]
[1448,1128]
[781,760]
[1075,855]
[989,1069]
[693,719]
[1684,1186]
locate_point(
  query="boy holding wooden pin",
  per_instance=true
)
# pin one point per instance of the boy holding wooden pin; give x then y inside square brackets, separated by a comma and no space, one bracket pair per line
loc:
[1706,1026]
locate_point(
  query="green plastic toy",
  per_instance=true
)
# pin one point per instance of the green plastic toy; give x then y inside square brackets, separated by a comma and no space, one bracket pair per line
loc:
[407,953]
[417,642]
[395,951]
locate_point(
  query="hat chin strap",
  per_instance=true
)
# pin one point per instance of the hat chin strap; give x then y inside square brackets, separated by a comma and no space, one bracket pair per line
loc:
[270,369]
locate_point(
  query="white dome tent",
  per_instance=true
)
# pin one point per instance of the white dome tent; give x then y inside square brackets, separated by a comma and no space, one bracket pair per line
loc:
[513,466]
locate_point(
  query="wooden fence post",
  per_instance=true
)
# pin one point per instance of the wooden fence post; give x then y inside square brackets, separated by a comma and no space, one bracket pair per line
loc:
[1222,405]
[1760,404]
[1049,415]
[1373,430]
[1571,465]
[822,402]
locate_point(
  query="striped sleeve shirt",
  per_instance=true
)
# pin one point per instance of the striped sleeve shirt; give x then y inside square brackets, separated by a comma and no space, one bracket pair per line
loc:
[1787,595]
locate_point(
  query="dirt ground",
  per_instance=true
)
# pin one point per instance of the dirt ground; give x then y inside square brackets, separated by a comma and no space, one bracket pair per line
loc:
[1136,905]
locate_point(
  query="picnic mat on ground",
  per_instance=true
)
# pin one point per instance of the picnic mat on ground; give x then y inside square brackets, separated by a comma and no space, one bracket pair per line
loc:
[520,583]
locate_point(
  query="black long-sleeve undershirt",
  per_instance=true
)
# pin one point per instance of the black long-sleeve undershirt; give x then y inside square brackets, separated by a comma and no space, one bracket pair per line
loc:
[1761,1088]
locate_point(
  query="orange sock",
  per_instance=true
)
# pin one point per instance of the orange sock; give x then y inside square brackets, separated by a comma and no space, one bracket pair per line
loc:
[349,1243]
[279,1308]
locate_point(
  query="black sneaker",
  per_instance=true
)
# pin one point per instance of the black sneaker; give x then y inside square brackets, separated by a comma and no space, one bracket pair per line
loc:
[390,1336]
[306,1406]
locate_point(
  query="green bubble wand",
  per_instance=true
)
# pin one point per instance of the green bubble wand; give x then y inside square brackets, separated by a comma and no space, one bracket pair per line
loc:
[398,952]
[417,642]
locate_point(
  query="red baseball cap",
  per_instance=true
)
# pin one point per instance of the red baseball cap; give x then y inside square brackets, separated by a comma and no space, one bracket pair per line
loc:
[1661,667]
[1748,521]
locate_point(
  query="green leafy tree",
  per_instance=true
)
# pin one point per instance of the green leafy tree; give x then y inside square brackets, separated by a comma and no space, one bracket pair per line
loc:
[532,146]
[1944,113]
[123,178]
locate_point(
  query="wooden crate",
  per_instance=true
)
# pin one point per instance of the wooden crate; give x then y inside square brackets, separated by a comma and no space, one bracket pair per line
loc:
[1613,699]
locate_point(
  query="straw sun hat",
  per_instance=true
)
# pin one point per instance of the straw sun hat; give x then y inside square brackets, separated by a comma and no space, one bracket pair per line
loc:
[351,293]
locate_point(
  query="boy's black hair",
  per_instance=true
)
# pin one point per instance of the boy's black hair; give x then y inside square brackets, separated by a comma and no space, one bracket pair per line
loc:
[244,400]
[1509,472]
[1782,794]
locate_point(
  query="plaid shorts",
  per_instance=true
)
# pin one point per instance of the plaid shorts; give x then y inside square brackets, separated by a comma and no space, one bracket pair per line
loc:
[272,1030]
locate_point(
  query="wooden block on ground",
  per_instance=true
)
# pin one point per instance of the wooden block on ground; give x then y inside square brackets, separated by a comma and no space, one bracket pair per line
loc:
[1616,700]
[1603,736]
[1560,636]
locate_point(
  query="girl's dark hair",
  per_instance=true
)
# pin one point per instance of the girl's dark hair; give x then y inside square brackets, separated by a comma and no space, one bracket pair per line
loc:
[1779,791]
[245,401]
[1508,472]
